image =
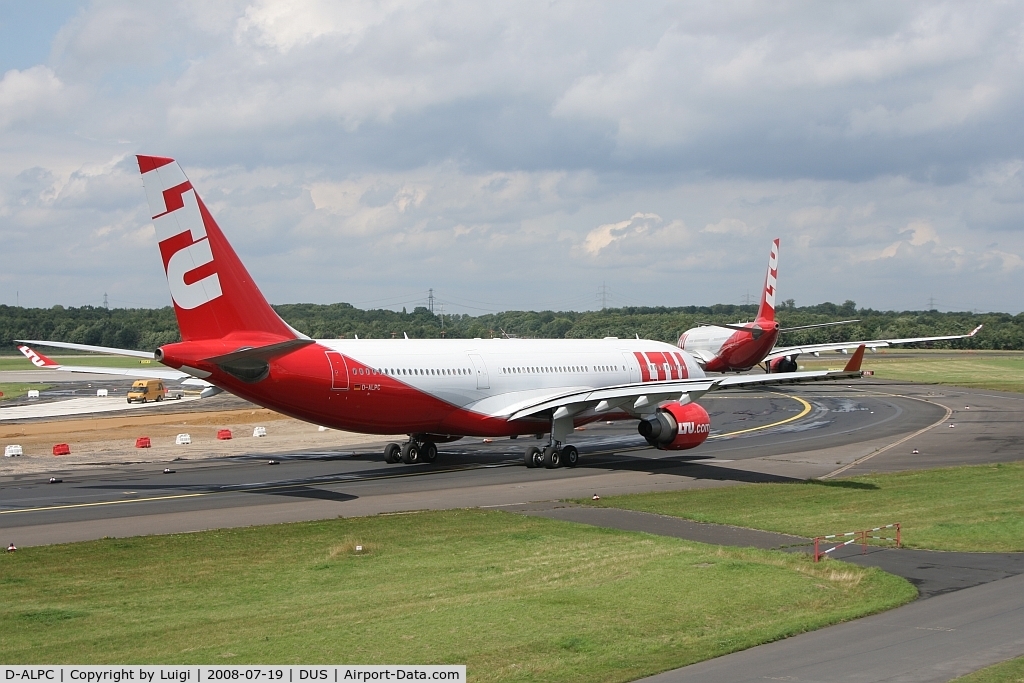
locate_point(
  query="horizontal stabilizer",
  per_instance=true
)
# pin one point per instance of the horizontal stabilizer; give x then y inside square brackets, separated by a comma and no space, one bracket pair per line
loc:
[261,353]
[89,347]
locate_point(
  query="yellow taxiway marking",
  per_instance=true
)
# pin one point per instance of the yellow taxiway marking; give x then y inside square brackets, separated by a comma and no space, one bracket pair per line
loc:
[807,409]
[260,489]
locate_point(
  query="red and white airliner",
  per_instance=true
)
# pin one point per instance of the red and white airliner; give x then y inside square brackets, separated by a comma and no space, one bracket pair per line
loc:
[435,390]
[739,347]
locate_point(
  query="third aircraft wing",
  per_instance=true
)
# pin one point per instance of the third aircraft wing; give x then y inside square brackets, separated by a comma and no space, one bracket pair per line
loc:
[782,351]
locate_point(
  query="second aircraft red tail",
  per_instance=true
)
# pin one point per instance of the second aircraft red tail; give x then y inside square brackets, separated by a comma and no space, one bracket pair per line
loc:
[766,311]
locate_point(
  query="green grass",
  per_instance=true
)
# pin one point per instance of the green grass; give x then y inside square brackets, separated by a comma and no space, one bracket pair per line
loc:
[515,598]
[973,369]
[18,389]
[1003,374]
[1006,672]
[22,363]
[978,508]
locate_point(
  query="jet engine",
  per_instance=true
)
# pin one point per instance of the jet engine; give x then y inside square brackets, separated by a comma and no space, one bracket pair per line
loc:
[675,427]
[783,364]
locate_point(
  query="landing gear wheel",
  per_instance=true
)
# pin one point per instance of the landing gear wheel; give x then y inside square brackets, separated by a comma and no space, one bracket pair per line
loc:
[532,457]
[570,456]
[410,453]
[392,453]
[552,458]
[428,452]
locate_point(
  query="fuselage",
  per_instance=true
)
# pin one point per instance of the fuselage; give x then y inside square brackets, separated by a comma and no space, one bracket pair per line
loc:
[464,387]
[723,349]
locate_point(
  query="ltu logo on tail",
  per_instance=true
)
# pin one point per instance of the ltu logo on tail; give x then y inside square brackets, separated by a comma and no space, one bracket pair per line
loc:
[32,356]
[183,216]
[773,271]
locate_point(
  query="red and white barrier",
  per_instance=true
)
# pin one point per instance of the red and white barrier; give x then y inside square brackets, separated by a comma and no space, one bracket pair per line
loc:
[861,537]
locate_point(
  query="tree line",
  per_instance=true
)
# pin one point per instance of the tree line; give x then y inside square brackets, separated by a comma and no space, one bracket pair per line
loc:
[146,329]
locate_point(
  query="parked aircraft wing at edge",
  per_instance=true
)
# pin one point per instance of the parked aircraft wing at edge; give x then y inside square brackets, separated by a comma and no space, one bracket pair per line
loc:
[41,361]
[784,351]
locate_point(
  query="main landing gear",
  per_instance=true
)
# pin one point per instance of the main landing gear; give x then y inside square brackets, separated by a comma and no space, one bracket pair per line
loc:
[411,452]
[552,456]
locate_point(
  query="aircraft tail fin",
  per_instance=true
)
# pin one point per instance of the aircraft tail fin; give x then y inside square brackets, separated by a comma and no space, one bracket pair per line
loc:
[855,360]
[38,359]
[766,311]
[214,296]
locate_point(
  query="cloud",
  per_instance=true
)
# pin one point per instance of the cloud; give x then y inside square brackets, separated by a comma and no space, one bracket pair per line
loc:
[602,236]
[24,94]
[728,226]
[357,149]
[287,25]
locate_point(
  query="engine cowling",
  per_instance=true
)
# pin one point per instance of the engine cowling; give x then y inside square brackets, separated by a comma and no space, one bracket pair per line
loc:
[675,427]
[783,364]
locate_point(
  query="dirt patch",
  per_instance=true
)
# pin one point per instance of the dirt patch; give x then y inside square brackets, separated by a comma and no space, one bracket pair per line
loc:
[96,442]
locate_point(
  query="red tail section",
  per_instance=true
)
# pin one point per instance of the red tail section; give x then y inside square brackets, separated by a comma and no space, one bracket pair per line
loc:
[38,359]
[214,295]
[767,309]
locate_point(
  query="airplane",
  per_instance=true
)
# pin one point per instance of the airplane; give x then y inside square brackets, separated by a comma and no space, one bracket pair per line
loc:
[434,390]
[739,347]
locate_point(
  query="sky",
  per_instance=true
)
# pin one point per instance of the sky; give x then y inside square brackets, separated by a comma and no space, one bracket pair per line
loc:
[524,155]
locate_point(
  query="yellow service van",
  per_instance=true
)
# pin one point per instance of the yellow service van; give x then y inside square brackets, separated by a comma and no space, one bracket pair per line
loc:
[147,390]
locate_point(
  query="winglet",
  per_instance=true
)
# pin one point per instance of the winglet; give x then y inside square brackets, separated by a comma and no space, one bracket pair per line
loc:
[975,330]
[855,360]
[38,359]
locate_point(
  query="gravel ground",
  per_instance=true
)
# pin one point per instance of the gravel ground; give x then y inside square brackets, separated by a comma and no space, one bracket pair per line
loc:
[101,441]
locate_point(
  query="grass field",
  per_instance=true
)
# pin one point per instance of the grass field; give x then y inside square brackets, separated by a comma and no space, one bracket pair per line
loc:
[515,598]
[22,363]
[1006,672]
[1003,374]
[18,389]
[978,508]
[975,369]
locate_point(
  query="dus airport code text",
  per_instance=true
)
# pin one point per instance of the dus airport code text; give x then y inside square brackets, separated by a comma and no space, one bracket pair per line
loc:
[202,674]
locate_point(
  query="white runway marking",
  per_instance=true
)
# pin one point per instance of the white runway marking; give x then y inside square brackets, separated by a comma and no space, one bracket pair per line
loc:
[74,406]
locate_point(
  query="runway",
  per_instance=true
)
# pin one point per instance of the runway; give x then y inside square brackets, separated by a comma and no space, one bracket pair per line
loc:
[794,433]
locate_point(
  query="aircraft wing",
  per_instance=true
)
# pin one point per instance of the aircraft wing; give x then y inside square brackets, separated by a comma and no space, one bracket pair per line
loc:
[639,397]
[782,351]
[169,374]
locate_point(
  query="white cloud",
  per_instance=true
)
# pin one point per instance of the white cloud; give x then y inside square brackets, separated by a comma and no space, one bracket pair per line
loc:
[729,226]
[286,25]
[24,94]
[350,150]
[602,236]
